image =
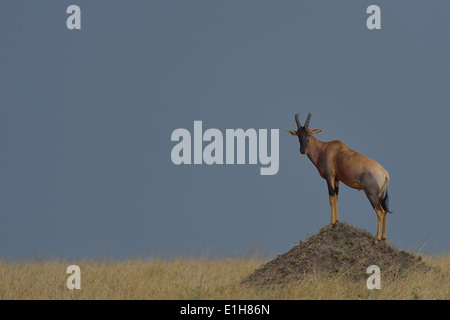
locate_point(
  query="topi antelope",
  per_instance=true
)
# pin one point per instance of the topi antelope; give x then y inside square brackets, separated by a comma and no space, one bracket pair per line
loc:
[336,162]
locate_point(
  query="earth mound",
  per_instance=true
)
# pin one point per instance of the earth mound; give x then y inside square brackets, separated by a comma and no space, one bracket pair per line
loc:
[343,250]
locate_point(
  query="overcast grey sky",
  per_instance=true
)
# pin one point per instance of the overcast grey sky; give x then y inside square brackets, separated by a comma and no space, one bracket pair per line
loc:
[86,118]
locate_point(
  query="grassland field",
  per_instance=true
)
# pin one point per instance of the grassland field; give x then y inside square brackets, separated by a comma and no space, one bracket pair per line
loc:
[203,278]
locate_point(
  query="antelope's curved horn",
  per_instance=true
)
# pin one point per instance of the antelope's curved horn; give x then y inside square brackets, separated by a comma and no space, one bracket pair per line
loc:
[307,120]
[297,121]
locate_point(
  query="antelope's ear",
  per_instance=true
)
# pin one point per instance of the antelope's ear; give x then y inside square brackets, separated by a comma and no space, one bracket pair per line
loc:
[293,132]
[314,131]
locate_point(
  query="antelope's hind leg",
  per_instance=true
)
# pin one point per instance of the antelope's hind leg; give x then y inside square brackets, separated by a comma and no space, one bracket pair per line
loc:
[381,214]
[383,235]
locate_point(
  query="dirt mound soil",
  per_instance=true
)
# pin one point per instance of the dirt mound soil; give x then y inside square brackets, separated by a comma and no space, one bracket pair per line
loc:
[343,250]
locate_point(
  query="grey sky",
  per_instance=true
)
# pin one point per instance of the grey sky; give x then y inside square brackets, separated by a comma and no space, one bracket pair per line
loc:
[86,118]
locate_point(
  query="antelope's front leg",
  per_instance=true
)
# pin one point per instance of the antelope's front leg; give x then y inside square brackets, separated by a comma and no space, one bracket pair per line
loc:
[333,210]
[336,190]
[332,196]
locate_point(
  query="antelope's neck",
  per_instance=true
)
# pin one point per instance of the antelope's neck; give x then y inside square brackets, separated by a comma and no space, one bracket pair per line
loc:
[315,150]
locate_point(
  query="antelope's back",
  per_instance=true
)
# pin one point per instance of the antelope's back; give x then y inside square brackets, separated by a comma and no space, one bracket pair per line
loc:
[351,165]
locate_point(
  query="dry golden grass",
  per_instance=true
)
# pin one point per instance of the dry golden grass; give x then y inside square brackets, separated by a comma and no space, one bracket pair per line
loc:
[202,278]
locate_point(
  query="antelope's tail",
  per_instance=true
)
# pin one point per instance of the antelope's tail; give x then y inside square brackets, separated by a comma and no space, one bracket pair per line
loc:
[385,201]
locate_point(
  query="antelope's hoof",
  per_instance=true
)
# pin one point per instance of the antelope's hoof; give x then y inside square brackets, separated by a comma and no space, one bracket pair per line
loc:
[375,241]
[330,226]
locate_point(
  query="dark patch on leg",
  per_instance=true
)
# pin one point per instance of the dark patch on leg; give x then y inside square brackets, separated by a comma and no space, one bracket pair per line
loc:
[370,187]
[367,179]
[331,189]
[373,198]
